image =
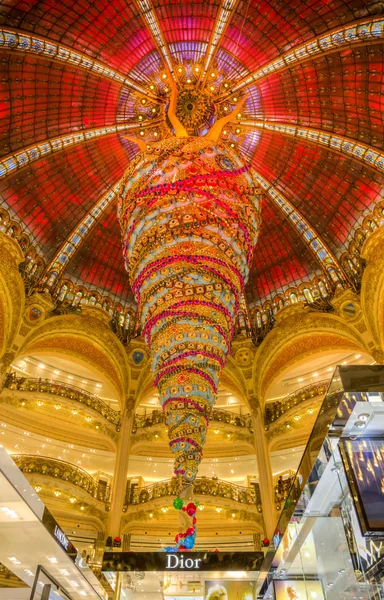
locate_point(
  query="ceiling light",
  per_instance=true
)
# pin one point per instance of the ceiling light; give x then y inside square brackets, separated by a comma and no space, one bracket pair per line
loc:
[57,406]
[14,560]
[28,572]
[363,417]
[359,424]
[140,117]
[70,377]
[56,372]
[357,355]
[315,374]
[179,70]
[151,87]
[72,500]
[41,366]
[99,385]
[197,69]
[52,559]
[212,88]
[151,515]
[225,108]
[141,133]
[9,512]
[165,89]
[238,130]
[74,411]
[74,583]
[64,571]
[213,74]
[233,515]
[218,509]
[57,493]
[143,101]
[153,109]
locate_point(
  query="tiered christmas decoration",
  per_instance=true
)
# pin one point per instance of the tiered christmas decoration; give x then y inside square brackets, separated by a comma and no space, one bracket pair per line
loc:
[189,219]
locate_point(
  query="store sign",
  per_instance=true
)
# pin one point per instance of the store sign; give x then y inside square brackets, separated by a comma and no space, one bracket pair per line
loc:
[61,537]
[177,561]
[181,561]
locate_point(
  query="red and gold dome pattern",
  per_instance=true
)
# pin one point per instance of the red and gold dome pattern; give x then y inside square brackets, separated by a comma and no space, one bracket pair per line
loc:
[189,218]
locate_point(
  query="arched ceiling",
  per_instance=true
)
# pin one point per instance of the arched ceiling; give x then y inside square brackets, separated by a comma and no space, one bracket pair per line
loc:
[74,70]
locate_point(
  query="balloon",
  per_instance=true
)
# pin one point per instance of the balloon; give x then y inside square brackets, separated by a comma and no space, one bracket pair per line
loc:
[190,531]
[178,503]
[189,542]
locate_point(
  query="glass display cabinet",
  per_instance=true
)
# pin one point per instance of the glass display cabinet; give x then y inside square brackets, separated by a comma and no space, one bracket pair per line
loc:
[329,541]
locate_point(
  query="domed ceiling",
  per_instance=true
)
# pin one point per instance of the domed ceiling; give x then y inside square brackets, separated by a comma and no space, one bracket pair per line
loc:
[81,79]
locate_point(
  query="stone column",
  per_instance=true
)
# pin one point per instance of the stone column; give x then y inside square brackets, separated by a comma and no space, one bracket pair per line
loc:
[265,474]
[120,474]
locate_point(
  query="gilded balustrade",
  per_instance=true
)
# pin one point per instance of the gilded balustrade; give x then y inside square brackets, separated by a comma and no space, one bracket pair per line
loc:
[275,410]
[59,469]
[222,416]
[204,486]
[49,386]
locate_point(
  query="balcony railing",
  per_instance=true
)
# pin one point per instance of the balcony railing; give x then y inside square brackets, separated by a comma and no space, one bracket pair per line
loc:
[49,386]
[203,486]
[59,469]
[217,414]
[275,410]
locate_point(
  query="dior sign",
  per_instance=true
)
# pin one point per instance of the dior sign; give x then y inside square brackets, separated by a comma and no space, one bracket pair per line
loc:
[177,561]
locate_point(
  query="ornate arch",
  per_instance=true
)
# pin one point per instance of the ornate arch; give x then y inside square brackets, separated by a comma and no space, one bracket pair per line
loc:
[300,333]
[88,338]
[12,296]
[372,288]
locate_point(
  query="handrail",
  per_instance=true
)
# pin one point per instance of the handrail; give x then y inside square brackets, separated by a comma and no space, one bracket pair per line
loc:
[60,469]
[203,485]
[217,414]
[50,386]
[275,410]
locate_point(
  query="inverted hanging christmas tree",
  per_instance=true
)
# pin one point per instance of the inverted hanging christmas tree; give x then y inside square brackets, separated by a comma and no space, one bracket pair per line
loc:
[189,218]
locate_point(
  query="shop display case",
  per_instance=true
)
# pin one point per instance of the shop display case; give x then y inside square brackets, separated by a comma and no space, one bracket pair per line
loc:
[329,541]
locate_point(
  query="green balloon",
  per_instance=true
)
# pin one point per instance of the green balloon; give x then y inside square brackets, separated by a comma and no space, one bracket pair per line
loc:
[178,503]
